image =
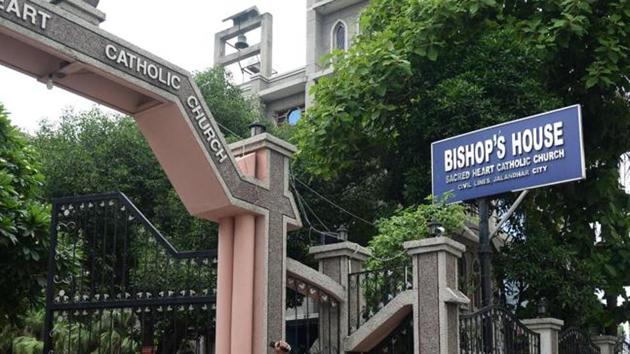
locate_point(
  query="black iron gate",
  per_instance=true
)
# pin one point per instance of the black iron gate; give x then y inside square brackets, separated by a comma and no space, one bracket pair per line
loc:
[313,319]
[496,330]
[116,285]
[622,347]
[574,341]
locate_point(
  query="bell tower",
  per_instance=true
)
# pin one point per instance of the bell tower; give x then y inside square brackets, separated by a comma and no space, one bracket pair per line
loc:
[242,23]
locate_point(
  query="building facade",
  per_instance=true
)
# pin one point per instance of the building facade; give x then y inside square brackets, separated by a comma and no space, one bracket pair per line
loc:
[331,24]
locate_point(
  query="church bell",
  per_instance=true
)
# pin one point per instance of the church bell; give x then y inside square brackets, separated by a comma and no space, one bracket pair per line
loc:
[241,42]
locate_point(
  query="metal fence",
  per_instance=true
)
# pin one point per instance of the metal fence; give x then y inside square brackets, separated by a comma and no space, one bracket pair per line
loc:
[622,347]
[116,285]
[400,341]
[574,341]
[497,331]
[313,319]
[370,291]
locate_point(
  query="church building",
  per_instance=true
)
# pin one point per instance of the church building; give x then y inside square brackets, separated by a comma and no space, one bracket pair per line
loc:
[331,25]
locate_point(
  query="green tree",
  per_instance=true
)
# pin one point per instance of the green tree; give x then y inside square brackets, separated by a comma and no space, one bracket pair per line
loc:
[23,224]
[411,224]
[368,135]
[232,110]
[390,260]
[424,70]
[93,152]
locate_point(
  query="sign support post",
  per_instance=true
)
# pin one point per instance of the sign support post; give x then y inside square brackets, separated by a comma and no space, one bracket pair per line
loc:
[509,213]
[485,260]
[532,152]
[485,244]
[485,252]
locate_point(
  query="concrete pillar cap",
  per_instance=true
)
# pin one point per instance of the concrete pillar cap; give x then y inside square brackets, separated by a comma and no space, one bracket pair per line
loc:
[547,323]
[597,340]
[343,249]
[435,244]
[264,140]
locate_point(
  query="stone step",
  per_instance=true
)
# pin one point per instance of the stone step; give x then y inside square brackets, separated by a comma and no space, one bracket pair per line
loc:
[377,328]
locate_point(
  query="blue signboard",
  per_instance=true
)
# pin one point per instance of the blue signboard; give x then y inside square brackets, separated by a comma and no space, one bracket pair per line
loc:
[531,152]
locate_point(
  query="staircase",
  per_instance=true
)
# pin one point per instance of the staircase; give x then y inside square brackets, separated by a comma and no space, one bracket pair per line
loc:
[383,323]
[374,309]
[394,311]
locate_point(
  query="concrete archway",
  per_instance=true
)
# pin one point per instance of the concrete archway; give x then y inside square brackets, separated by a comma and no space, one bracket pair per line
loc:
[60,43]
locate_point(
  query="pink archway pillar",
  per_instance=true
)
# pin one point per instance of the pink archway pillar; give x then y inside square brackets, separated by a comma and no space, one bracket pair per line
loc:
[243,296]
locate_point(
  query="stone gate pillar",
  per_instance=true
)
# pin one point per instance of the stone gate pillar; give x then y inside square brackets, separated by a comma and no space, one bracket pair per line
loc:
[606,344]
[548,329]
[437,298]
[252,261]
[337,261]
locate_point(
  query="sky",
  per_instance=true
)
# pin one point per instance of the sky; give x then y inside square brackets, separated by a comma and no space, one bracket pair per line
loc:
[181,32]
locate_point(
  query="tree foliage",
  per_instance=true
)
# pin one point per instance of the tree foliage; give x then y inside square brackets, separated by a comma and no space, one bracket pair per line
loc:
[23,223]
[23,340]
[232,110]
[93,152]
[410,224]
[424,70]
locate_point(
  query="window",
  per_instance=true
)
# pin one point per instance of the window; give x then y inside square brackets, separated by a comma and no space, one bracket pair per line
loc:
[290,116]
[294,116]
[339,36]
